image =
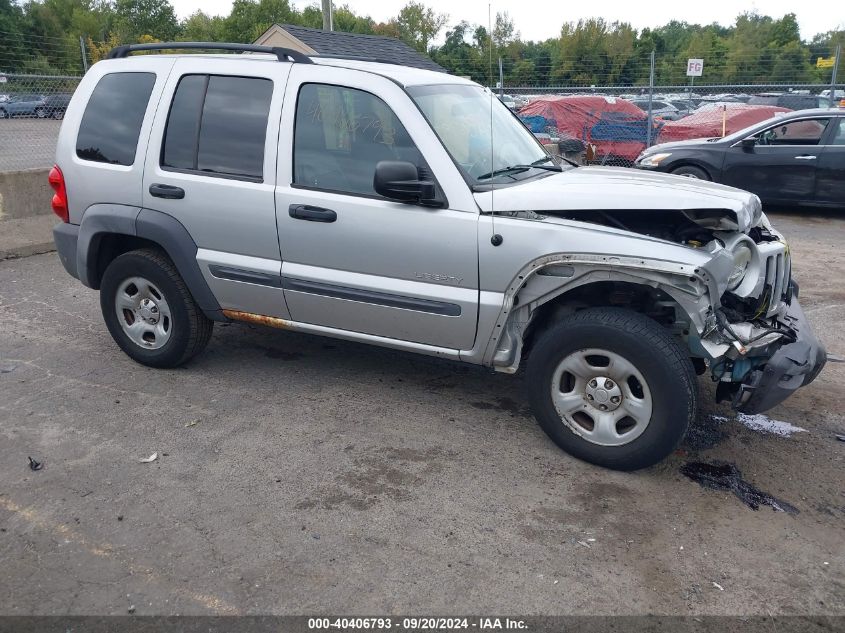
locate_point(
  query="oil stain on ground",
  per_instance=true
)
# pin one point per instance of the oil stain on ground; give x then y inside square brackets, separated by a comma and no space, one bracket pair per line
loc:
[504,404]
[724,476]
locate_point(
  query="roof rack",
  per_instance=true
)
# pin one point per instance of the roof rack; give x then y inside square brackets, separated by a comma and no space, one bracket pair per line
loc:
[282,54]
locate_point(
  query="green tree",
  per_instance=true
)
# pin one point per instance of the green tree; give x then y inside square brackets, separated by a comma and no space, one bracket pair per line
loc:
[344,19]
[201,27]
[418,25]
[250,18]
[13,50]
[135,18]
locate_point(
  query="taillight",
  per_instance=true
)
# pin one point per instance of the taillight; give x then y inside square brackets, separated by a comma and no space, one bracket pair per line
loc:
[59,202]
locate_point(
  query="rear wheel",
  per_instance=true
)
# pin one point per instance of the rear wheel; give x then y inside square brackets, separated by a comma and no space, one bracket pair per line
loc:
[150,312]
[58,114]
[612,387]
[691,171]
[3,114]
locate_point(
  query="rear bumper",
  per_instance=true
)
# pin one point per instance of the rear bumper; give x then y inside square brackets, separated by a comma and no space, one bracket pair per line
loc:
[66,237]
[792,366]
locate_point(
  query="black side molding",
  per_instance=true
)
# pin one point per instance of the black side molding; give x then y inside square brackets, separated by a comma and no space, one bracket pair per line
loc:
[248,276]
[373,297]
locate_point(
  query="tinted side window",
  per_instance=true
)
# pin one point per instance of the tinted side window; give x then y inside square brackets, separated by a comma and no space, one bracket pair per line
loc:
[340,136]
[800,132]
[839,133]
[112,120]
[217,125]
[180,137]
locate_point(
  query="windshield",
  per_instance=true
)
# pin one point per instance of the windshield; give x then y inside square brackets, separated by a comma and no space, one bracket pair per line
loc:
[461,117]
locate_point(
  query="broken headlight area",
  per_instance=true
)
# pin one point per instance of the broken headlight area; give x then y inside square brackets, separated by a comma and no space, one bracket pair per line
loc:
[759,363]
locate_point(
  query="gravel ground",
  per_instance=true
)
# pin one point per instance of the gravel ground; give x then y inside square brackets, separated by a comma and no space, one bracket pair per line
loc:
[299,475]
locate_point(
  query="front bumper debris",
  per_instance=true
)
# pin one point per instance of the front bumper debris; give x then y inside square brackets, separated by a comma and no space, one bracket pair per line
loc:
[793,365]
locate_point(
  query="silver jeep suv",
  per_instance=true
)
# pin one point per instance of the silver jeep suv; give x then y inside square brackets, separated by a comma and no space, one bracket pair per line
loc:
[411,209]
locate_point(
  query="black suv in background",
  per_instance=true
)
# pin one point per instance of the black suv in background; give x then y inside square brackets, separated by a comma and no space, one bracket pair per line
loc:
[790,100]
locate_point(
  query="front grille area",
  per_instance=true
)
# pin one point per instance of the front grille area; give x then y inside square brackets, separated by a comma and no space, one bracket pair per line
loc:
[775,268]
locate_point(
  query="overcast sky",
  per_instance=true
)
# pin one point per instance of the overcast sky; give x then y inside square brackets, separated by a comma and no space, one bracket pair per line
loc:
[542,19]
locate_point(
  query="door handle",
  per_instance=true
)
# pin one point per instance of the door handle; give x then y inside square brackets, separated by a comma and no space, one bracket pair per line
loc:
[312,214]
[805,157]
[166,191]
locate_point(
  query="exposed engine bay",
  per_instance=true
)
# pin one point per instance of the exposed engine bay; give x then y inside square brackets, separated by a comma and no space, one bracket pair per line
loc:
[754,331]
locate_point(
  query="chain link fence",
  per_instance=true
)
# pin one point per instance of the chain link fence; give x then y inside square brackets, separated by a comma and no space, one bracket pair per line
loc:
[644,100]
[31,111]
[612,124]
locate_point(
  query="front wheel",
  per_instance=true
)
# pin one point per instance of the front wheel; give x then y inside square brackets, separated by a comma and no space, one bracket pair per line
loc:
[150,312]
[612,387]
[691,171]
[4,114]
[41,113]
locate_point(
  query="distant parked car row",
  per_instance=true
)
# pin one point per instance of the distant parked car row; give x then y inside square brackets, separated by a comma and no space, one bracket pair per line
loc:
[34,105]
[676,107]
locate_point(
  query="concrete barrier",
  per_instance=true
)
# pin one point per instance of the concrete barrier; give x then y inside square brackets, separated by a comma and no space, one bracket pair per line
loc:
[24,194]
[26,219]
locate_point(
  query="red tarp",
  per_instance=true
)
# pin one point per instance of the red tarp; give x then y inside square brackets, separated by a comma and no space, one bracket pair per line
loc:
[708,123]
[614,126]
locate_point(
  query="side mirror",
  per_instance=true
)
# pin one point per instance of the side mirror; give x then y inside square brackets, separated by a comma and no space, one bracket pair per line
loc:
[400,180]
[749,143]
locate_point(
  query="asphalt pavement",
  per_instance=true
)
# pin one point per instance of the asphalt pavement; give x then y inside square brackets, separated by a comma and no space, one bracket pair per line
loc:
[301,475]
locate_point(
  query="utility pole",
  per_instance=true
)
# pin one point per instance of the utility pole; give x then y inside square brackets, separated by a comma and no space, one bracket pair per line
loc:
[84,55]
[650,98]
[833,76]
[327,15]
[501,79]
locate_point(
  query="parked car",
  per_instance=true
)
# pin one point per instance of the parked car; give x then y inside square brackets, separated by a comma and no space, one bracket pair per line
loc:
[56,104]
[710,121]
[790,100]
[684,108]
[797,158]
[663,109]
[23,105]
[521,101]
[356,200]
[509,102]
[614,128]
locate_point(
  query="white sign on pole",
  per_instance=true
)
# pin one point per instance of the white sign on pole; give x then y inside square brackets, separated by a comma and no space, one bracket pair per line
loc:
[3,79]
[695,67]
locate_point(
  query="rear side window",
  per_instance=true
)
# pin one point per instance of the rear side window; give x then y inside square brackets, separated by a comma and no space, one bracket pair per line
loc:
[217,126]
[112,120]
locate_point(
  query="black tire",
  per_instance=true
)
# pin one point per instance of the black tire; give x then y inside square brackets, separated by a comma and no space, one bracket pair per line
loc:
[4,114]
[691,171]
[41,113]
[190,328]
[58,114]
[645,344]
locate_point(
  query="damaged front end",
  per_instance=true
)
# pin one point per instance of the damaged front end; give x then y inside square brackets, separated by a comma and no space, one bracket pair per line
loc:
[758,344]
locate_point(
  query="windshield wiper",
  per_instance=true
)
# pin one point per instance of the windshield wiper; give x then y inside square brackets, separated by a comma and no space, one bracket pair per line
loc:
[545,159]
[516,169]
